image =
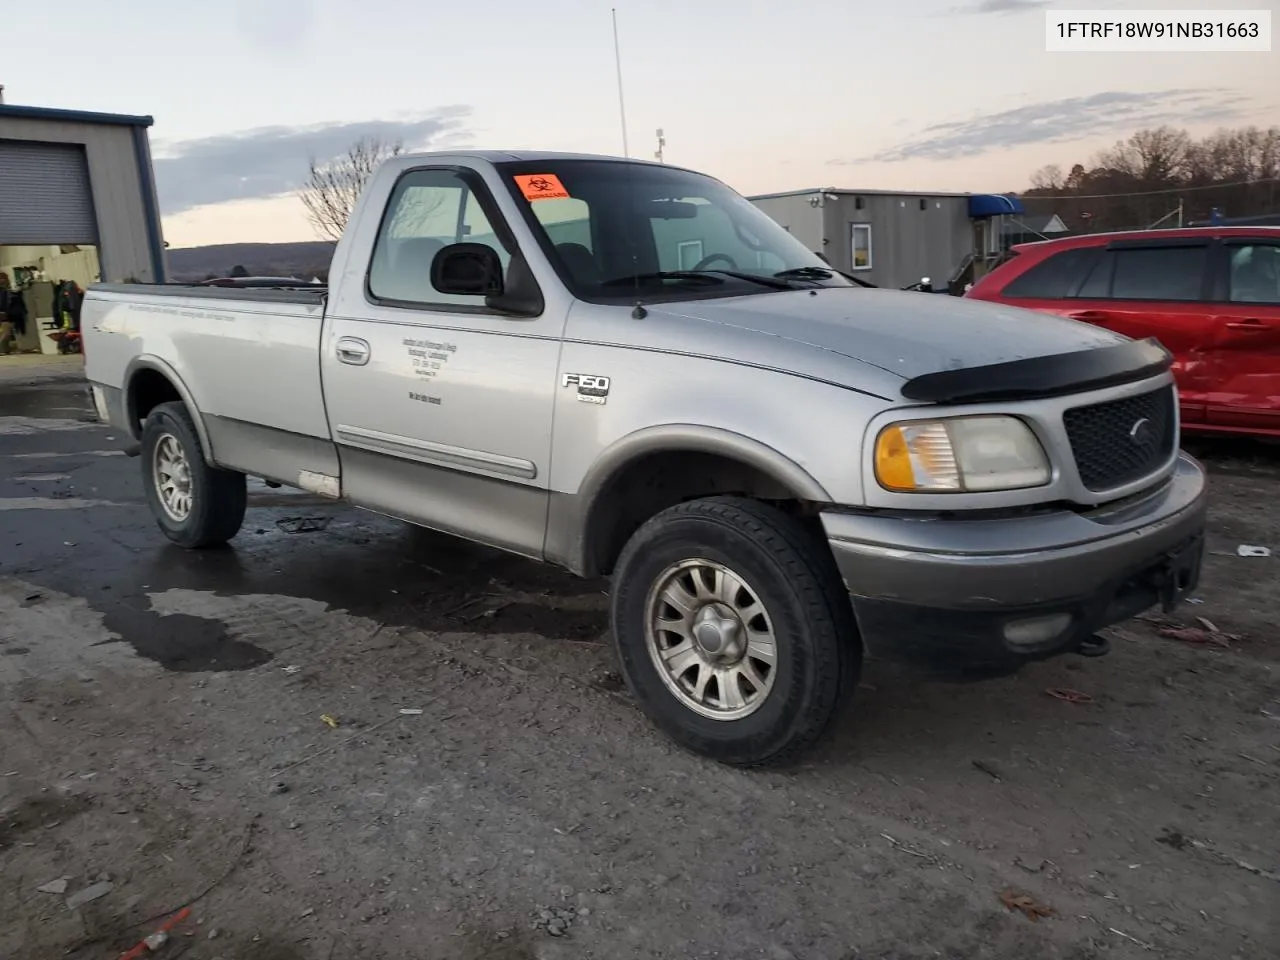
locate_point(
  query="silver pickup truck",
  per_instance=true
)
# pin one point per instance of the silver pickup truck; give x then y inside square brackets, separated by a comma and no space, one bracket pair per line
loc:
[627,369]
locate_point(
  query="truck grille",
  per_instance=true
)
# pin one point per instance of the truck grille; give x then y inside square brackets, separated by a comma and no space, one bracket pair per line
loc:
[1121,441]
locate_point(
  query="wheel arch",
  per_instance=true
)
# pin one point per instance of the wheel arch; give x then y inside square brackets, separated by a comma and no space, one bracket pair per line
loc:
[146,379]
[588,529]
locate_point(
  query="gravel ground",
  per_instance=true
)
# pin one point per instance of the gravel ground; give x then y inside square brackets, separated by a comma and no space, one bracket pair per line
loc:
[347,738]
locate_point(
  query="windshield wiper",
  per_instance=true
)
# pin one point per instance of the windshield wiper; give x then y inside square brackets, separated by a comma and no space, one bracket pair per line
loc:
[696,275]
[822,273]
[775,282]
[705,276]
[806,273]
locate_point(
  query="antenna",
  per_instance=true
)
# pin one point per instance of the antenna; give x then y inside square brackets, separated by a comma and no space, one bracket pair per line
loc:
[662,142]
[617,57]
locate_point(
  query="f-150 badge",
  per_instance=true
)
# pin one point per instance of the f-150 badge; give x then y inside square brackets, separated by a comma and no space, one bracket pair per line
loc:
[591,389]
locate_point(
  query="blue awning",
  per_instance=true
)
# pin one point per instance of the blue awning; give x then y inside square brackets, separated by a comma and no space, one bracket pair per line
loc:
[993,205]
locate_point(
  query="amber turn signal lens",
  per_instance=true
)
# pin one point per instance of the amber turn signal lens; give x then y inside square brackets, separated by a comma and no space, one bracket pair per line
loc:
[893,460]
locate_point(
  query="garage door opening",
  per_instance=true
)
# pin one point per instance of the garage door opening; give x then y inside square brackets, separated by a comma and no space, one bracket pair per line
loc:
[41,289]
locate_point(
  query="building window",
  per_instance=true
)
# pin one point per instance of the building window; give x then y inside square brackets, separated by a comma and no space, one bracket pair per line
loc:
[860,244]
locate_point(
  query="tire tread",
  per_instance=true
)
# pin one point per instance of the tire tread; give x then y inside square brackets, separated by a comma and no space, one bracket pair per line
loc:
[218,512]
[807,564]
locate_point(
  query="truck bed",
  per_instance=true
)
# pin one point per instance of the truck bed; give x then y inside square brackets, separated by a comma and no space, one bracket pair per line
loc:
[247,359]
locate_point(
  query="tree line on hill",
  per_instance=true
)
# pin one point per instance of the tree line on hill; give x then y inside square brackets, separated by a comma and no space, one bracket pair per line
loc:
[304,260]
[1142,181]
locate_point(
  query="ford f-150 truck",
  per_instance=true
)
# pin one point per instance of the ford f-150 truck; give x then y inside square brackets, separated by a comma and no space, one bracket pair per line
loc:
[626,369]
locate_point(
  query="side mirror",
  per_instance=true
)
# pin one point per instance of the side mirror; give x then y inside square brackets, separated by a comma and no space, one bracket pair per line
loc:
[467,269]
[475,270]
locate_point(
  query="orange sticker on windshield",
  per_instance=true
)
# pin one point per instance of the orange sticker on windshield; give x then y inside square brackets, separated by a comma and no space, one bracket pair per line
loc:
[541,186]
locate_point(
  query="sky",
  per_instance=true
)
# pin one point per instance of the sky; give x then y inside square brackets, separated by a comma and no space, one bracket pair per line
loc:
[767,95]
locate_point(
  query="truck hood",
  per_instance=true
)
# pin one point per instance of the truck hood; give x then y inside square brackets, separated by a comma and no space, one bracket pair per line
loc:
[903,334]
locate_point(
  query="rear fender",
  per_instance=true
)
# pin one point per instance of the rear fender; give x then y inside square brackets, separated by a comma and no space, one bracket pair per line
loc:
[149,362]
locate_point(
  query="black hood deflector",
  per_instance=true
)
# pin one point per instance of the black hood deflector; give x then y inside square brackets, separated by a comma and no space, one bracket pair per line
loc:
[1050,376]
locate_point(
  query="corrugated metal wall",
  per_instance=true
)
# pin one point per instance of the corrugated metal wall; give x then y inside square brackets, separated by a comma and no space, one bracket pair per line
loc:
[802,220]
[115,187]
[911,236]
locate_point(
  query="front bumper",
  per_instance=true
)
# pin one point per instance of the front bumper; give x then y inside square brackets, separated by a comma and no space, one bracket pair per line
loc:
[991,594]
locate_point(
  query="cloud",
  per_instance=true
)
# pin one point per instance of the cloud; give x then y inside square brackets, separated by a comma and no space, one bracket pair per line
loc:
[1002,7]
[269,161]
[1058,121]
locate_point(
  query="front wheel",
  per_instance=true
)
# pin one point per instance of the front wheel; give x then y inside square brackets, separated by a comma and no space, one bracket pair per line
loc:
[733,630]
[195,504]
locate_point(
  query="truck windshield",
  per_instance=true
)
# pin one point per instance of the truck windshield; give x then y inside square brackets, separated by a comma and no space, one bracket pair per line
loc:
[616,231]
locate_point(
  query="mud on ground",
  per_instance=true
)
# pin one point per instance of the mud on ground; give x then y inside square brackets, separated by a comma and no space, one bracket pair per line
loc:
[225,730]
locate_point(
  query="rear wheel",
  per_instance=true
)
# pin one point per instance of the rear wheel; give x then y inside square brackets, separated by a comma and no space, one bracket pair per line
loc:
[734,630]
[195,504]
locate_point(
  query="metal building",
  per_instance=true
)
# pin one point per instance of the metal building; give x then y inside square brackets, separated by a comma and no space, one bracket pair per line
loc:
[894,239]
[71,179]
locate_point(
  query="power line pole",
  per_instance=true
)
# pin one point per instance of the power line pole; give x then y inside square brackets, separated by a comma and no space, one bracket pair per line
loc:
[662,142]
[617,57]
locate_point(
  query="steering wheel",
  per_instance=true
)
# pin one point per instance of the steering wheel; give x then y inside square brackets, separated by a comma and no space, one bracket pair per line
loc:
[712,258]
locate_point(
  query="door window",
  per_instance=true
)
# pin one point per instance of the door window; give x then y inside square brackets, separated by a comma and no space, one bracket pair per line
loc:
[1254,275]
[1054,277]
[1147,273]
[1159,273]
[428,210]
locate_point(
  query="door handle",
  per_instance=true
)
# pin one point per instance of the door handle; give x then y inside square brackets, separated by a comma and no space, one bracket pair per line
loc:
[1088,315]
[353,350]
[1253,326]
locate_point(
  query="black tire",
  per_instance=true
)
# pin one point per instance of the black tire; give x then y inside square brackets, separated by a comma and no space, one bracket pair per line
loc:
[789,569]
[218,498]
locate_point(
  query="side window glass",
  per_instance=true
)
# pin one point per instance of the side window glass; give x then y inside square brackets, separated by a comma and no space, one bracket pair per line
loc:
[1254,274]
[477,229]
[1097,285]
[1159,273]
[1054,277]
[428,210]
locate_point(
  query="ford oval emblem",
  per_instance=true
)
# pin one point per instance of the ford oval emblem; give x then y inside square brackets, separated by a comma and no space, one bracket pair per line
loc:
[1142,433]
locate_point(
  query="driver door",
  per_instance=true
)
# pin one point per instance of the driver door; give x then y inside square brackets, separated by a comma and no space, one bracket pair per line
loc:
[441,408]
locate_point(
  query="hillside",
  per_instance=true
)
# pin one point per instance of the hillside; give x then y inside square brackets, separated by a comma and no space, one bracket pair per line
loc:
[303,260]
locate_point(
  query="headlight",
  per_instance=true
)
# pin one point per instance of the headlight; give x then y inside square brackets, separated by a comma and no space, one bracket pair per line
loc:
[960,455]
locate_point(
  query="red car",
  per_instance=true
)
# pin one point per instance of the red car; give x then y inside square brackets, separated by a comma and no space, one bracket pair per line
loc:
[1211,295]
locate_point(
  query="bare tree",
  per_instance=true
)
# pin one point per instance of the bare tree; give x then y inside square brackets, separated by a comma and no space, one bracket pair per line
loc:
[1048,179]
[334,187]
